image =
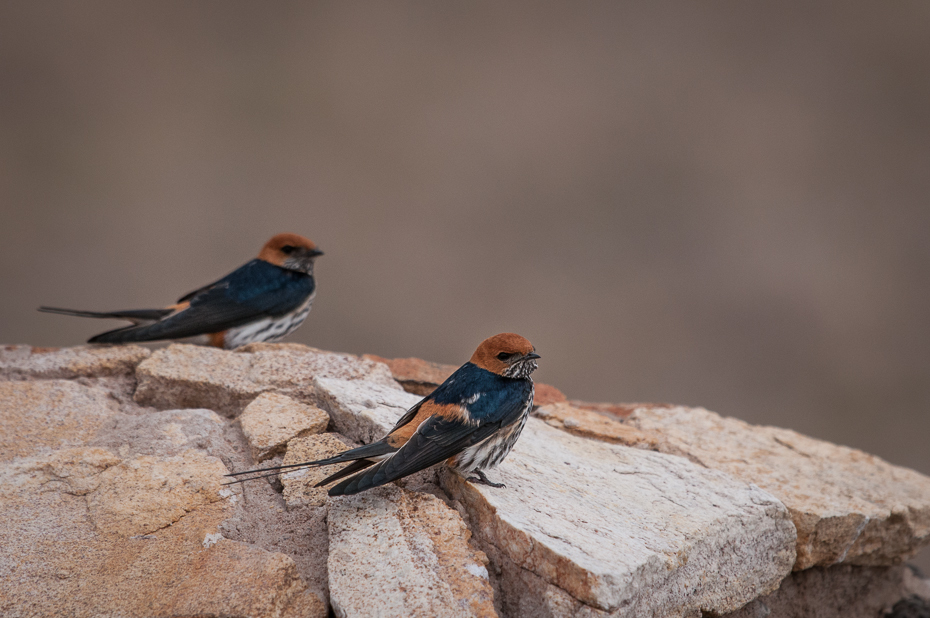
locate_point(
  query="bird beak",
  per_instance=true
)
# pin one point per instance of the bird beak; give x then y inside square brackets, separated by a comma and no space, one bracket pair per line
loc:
[314,252]
[532,355]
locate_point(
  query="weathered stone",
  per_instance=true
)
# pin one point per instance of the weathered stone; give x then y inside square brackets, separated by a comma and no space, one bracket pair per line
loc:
[547,395]
[167,432]
[840,591]
[416,375]
[362,411]
[299,484]
[399,553]
[56,562]
[848,506]
[93,361]
[145,494]
[49,414]
[273,419]
[616,411]
[188,376]
[588,424]
[629,531]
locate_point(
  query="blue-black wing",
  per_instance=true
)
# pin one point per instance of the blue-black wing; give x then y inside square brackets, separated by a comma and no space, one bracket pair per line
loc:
[436,440]
[499,402]
[256,290]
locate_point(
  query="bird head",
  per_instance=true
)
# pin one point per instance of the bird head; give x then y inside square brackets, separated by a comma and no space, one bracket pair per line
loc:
[506,354]
[290,251]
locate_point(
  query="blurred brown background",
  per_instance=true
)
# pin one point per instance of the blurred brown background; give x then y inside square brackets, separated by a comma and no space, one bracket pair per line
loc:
[719,204]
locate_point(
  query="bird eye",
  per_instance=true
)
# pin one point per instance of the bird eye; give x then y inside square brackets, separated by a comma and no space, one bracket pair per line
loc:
[504,356]
[288,249]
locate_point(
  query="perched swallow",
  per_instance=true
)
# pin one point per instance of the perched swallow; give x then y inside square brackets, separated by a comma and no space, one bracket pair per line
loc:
[263,300]
[471,420]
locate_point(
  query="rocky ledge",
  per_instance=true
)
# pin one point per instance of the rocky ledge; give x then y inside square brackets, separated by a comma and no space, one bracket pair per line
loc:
[112,462]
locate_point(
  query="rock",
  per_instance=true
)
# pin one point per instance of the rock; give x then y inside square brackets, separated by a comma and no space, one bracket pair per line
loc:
[362,411]
[299,484]
[626,531]
[848,506]
[547,395]
[166,433]
[841,591]
[22,361]
[588,424]
[416,375]
[272,419]
[399,553]
[145,494]
[50,414]
[616,411]
[50,544]
[188,376]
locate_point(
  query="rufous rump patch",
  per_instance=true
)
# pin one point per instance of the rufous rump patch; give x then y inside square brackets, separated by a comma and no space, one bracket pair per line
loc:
[217,340]
[179,307]
[450,411]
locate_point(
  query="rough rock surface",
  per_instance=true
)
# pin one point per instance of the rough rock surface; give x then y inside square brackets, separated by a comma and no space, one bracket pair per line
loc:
[299,484]
[841,591]
[848,506]
[416,375]
[590,424]
[421,565]
[628,531]
[272,419]
[361,410]
[50,414]
[146,493]
[21,361]
[66,549]
[114,508]
[189,376]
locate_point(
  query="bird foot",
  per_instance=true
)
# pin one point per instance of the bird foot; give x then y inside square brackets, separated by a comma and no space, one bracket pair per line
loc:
[481,478]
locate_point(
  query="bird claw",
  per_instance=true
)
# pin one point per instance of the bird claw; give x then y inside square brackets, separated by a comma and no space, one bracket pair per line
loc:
[481,478]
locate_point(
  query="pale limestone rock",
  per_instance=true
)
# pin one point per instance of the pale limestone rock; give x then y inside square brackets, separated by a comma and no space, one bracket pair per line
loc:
[87,360]
[50,414]
[189,376]
[400,553]
[55,562]
[627,531]
[363,411]
[848,506]
[163,433]
[299,484]
[273,419]
[590,424]
[147,493]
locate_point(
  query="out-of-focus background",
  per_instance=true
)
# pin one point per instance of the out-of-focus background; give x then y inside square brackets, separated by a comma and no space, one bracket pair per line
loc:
[717,204]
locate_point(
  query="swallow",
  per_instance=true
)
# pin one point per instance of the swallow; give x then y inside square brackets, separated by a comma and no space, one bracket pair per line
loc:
[472,420]
[263,300]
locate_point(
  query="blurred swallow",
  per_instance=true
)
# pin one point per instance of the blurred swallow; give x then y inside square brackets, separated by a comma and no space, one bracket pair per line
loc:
[471,421]
[263,300]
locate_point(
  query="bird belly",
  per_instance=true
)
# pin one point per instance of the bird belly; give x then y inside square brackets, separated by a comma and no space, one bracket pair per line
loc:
[492,451]
[267,329]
